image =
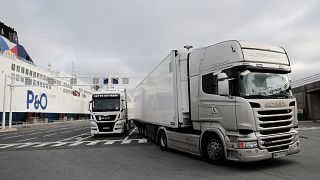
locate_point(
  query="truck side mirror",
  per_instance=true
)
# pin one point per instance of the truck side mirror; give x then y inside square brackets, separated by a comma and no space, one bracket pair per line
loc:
[90,105]
[223,84]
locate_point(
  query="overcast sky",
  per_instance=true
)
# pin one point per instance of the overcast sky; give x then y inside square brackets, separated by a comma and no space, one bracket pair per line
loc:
[131,37]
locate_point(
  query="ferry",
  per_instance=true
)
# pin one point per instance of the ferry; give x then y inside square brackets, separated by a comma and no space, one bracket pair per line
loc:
[33,93]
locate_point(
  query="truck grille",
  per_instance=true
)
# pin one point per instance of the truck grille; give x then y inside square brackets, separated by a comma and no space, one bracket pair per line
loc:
[274,121]
[106,118]
[274,127]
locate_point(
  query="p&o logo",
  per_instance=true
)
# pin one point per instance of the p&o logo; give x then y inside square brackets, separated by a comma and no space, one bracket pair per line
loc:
[37,100]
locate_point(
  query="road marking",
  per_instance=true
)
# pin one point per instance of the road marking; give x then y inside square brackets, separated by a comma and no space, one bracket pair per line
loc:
[77,129]
[86,138]
[7,145]
[13,136]
[42,144]
[77,143]
[49,135]
[93,143]
[65,132]
[143,140]
[71,144]
[59,144]
[109,142]
[75,136]
[308,128]
[27,139]
[25,145]
[125,141]
[35,133]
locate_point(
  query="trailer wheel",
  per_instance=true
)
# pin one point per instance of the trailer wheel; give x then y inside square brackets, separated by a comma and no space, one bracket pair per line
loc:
[213,151]
[163,140]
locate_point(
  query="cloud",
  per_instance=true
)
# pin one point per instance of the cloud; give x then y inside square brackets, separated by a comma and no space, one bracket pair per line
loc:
[131,37]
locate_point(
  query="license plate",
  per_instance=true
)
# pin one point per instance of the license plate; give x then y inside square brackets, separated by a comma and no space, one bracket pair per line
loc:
[106,128]
[279,154]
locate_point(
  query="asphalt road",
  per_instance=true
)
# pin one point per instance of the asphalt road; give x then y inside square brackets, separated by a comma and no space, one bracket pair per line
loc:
[67,151]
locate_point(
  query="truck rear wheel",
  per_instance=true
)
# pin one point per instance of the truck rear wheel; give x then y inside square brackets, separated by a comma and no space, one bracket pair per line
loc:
[163,140]
[213,150]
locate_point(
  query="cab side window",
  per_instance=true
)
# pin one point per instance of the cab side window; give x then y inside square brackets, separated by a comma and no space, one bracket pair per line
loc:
[209,84]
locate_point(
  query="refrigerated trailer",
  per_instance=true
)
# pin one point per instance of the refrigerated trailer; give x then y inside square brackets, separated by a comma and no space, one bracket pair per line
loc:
[230,100]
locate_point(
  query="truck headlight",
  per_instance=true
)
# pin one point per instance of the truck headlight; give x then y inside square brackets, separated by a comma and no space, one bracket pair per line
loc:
[118,124]
[248,145]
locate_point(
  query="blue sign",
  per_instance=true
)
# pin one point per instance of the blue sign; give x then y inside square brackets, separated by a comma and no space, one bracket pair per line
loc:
[37,101]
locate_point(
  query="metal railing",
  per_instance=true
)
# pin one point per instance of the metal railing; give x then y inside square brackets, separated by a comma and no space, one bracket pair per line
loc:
[306,80]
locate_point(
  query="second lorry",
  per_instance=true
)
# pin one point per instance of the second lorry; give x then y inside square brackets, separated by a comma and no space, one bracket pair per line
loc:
[109,112]
[230,100]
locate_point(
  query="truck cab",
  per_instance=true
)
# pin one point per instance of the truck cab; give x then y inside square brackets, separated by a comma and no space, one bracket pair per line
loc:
[245,99]
[109,113]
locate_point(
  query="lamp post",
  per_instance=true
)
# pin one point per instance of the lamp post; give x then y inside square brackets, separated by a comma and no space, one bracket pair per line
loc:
[4,103]
[10,106]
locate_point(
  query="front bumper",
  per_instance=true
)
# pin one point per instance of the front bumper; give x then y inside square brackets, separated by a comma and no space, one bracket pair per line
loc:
[107,127]
[256,154]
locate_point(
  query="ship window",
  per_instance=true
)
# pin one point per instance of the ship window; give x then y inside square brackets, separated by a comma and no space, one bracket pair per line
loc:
[18,68]
[27,71]
[209,84]
[22,70]
[28,81]
[13,67]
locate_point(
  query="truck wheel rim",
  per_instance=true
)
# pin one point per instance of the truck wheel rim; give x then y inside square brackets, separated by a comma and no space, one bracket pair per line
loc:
[214,149]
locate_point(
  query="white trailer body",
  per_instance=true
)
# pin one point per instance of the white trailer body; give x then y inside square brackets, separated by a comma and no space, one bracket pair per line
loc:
[161,98]
[201,102]
[109,112]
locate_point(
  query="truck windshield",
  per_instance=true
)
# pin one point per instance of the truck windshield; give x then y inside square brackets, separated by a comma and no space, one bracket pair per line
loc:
[265,85]
[106,104]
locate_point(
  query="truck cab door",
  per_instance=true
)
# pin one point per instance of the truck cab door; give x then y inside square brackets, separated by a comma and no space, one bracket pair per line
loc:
[215,109]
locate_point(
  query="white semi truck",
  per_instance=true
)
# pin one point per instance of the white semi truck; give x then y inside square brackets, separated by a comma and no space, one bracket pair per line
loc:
[230,100]
[109,113]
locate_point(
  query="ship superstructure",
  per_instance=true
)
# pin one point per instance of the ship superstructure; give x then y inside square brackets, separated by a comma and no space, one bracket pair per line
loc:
[37,92]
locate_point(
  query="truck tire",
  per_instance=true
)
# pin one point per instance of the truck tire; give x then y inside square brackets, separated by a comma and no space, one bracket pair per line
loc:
[162,138]
[213,150]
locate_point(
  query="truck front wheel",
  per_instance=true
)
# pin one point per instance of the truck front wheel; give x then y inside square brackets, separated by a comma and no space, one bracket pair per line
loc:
[163,140]
[213,151]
